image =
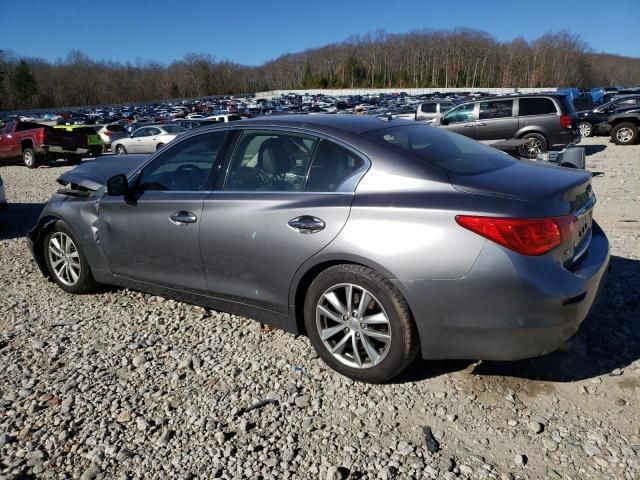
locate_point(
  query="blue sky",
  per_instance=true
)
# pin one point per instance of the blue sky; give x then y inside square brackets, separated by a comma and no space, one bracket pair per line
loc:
[251,32]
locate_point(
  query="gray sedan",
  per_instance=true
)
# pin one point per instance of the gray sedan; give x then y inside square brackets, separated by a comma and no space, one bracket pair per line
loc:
[380,240]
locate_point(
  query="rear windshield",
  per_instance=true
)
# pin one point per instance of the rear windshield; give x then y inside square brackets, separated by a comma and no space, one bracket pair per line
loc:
[115,128]
[174,129]
[438,148]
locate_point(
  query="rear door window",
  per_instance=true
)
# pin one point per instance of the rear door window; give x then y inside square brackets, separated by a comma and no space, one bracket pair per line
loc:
[428,108]
[536,106]
[332,167]
[496,109]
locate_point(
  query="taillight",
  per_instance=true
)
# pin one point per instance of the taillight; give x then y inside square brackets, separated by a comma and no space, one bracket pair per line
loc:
[107,133]
[40,136]
[528,236]
[565,121]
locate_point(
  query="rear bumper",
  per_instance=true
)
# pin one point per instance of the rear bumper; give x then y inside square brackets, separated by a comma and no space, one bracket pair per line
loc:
[510,306]
[560,140]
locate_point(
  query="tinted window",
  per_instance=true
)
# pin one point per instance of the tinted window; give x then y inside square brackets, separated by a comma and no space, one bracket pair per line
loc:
[446,106]
[536,106]
[428,108]
[331,167]
[174,129]
[463,113]
[270,162]
[496,109]
[184,167]
[154,131]
[141,132]
[626,102]
[438,148]
[115,128]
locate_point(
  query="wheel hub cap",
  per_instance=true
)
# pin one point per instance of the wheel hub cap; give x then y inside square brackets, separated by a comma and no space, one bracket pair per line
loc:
[64,258]
[353,326]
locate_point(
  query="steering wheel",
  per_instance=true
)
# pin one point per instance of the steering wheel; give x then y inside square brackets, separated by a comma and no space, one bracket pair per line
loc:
[248,178]
[189,175]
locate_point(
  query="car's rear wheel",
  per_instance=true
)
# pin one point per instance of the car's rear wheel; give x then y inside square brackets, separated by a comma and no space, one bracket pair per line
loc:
[120,150]
[29,158]
[586,129]
[360,324]
[66,263]
[625,133]
[159,146]
[536,144]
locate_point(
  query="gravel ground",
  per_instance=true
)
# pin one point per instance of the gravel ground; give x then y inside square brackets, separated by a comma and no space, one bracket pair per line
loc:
[125,385]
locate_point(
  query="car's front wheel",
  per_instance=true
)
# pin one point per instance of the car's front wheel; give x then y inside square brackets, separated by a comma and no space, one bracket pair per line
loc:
[120,150]
[360,324]
[66,263]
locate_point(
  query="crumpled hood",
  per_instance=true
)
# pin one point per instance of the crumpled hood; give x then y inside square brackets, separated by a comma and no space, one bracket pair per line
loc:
[93,174]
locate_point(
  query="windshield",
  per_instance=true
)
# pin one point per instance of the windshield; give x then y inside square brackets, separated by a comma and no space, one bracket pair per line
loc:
[447,151]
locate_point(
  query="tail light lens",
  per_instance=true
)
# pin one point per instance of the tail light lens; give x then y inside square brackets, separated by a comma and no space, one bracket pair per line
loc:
[40,136]
[565,121]
[527,236]
[107,133]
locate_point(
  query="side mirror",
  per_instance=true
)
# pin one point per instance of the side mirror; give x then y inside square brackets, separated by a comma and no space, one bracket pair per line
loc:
[131,135]
[118,185]
[444,121]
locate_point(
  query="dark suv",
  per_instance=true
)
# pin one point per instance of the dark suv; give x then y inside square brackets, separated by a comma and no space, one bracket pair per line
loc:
[594,121]
[548,120]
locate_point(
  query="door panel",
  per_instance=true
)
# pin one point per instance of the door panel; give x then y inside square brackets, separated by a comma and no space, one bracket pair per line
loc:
[496,120]
[249,251]
[142,242]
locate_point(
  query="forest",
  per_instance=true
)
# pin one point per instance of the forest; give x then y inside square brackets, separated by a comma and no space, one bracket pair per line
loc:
[425,58]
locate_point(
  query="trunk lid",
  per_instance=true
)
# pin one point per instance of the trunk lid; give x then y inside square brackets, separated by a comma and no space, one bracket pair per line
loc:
[94,174]
[556,191]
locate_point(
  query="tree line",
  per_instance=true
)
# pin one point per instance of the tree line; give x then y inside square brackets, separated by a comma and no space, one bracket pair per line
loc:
[425,58]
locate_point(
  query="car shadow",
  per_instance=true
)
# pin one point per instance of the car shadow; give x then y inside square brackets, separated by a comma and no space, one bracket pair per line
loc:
[608,339]
[16,221]
[593,149]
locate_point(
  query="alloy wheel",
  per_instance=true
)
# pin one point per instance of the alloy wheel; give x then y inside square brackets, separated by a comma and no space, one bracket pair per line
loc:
[585,129]
[353,326]
[624,135]
[28,158]
[64,258]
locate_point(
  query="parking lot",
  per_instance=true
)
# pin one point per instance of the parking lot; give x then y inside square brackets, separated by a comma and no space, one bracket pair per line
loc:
[126,385]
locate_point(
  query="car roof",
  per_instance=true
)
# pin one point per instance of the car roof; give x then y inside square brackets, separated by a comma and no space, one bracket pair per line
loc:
[325,122]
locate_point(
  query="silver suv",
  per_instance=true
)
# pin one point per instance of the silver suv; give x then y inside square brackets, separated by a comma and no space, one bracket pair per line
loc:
[430,110]
[548,120]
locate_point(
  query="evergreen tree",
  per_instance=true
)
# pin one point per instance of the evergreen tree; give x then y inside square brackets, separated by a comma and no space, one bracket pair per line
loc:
[24,83]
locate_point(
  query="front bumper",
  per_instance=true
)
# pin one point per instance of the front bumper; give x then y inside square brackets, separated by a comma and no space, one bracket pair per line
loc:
[509,306]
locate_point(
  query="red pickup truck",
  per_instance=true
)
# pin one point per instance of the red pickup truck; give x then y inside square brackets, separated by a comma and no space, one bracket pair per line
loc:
[34,143]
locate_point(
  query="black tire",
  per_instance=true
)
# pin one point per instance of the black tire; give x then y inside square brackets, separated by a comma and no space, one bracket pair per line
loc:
[85,282]
[586,129]
[625,133]
[74,160]
[30,158]
[538,145]
[403,344]
[159,146]
[120,150]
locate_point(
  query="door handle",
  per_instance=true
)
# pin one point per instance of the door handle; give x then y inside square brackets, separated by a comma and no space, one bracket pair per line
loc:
[469,125]
[482,124]
[182,218]
[306,224]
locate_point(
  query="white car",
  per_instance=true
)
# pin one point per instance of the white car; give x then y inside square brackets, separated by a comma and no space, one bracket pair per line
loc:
[147,139]
[3,198]
[224,118]
[110,133]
